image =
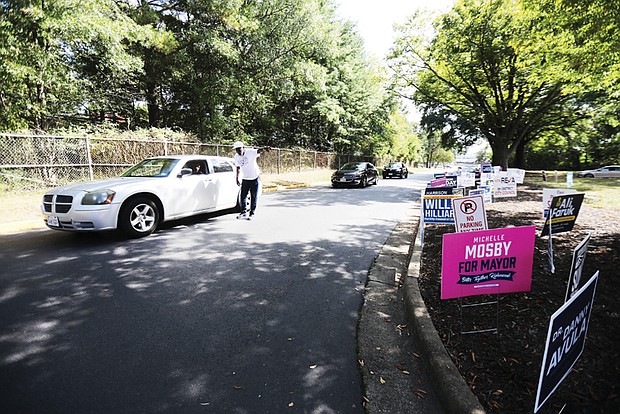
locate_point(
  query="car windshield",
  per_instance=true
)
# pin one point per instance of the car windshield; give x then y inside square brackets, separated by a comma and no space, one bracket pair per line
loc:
[353,166]
[155,167]
[395,165]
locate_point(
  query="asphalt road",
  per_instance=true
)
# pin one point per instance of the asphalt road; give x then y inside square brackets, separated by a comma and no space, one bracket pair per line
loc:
[208,315]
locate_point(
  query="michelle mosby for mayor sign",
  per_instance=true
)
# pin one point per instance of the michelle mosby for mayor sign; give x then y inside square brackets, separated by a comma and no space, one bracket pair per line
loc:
[487,262]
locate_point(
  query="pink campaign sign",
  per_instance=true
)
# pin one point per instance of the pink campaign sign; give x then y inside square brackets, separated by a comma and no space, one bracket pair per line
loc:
[487,262]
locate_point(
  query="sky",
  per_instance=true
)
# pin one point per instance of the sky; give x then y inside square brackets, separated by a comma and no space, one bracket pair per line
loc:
[375,18]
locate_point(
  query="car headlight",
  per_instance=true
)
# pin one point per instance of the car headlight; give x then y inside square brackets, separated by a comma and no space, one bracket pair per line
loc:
[93,198]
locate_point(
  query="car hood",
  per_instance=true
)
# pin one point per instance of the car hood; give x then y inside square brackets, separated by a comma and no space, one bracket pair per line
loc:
[341,172]
[107,184]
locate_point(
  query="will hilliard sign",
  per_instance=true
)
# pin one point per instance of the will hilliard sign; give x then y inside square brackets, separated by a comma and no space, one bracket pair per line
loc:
[437,204]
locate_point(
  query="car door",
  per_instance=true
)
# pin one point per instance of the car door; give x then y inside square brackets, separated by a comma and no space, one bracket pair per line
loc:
[223,183]
[194,191]
[610,172]
[371,172]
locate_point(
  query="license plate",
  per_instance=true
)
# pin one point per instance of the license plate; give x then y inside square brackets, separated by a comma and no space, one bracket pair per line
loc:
[53,221]
[344,180]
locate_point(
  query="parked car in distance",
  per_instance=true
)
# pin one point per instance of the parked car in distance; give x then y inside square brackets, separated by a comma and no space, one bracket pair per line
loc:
[395,169]
[609,171]
[155,190]
[355,174]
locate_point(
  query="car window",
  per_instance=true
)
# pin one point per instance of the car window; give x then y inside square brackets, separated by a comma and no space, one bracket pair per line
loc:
[197,166]
[221,166]
[156,167]
[353,166]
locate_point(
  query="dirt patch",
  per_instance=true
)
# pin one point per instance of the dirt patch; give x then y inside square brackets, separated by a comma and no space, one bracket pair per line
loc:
[503,368]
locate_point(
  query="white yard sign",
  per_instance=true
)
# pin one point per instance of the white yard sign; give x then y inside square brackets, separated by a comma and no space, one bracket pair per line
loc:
[504,186]
[469,214]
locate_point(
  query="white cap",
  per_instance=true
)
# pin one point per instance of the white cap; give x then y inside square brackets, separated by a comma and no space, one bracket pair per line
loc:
[238,144]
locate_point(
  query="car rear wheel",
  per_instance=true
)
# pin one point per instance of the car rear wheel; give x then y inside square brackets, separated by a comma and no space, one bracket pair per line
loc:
[138,217]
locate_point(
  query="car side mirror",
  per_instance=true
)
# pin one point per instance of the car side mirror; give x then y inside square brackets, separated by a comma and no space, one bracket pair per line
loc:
[184,172]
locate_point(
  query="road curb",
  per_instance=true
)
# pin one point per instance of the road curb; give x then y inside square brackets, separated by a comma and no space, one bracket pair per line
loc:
[454,394]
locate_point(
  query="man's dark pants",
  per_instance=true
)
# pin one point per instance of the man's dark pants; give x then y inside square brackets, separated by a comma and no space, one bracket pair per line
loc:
[250,186]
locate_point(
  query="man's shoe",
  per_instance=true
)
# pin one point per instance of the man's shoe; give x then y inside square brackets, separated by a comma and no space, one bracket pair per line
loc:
[251,216]
[241,216]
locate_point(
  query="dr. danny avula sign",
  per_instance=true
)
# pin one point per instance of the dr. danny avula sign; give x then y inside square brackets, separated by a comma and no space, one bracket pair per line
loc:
[565,340]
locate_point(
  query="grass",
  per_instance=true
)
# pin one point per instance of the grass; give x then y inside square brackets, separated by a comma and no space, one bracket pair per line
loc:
[600,192]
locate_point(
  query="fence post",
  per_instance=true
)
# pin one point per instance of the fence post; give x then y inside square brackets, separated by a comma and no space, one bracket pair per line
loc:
[89,159]
[278,161]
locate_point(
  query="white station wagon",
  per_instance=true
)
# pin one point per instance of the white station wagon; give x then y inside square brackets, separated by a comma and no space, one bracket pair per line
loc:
[155,190]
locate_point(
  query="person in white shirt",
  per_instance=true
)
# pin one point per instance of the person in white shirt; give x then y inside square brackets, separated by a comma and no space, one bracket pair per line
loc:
[247,167]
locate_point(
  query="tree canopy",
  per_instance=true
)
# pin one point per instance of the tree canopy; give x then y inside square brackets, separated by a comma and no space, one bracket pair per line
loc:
[278,72]
[509,71]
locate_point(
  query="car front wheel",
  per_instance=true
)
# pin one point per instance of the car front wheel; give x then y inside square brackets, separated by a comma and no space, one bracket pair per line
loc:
[363,182]
[138,217]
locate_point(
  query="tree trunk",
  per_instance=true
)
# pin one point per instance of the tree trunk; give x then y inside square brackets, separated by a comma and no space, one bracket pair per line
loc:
[520,155]
[500,153]
[153,106]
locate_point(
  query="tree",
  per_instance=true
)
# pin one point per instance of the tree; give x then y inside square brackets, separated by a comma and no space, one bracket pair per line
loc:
[475,79]
[582,40]
[59,56]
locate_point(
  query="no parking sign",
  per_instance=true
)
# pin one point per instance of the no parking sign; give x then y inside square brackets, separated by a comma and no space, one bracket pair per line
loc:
[469,214]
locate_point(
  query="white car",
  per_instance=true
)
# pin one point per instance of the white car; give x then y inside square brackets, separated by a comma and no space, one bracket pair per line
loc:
[610,171]
[155,190]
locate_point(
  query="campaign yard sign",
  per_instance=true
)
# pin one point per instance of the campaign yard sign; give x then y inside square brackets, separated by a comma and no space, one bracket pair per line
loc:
[517,173]
[486,167]
[504,186]
[469,214]
[485,191]
[487,262]
[566,339]
[563,212]
[438,182]
[437,204]
[466,179]
[549,193]
[451,181]
[579,258]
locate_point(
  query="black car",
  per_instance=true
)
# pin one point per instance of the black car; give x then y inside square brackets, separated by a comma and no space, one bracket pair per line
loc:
[355,174]
[395,169]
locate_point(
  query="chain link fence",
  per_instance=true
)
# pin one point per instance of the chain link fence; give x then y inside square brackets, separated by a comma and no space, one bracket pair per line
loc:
[40,161]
